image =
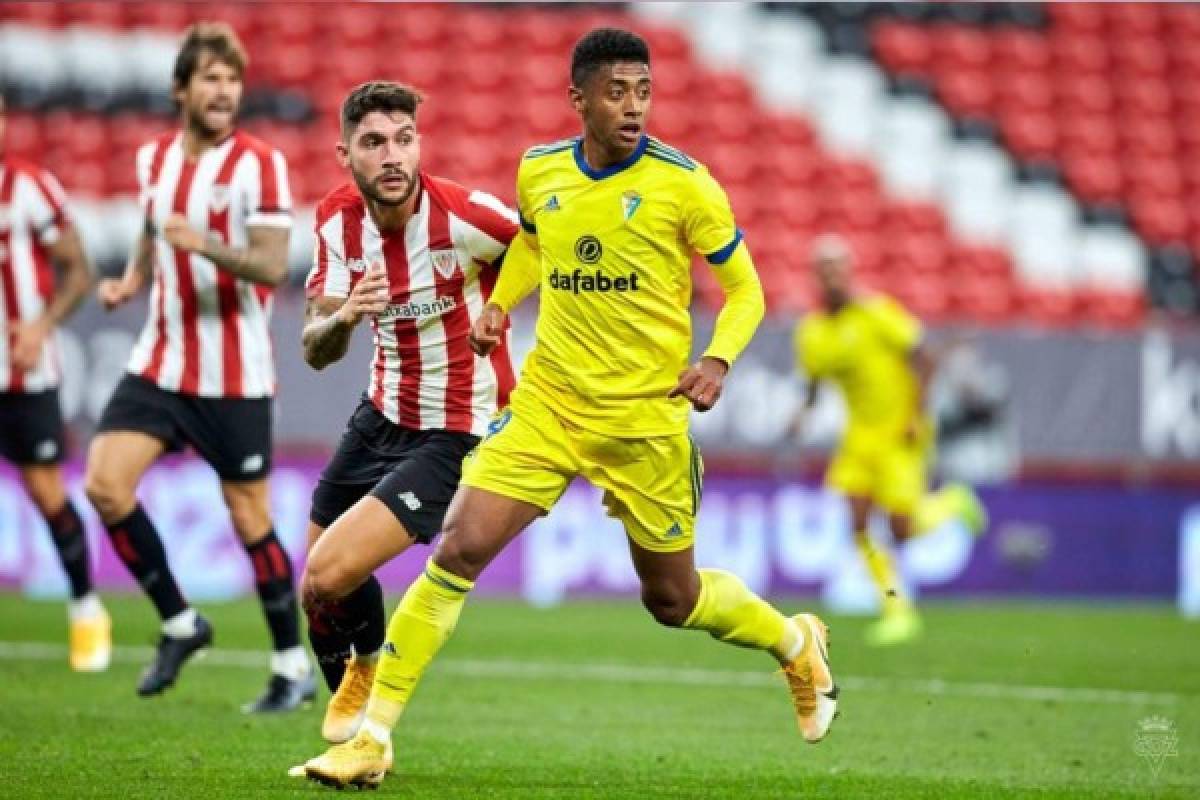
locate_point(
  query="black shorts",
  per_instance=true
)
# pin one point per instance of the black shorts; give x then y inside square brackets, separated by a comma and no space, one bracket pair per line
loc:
[413,473]
[232,434]
[31,428]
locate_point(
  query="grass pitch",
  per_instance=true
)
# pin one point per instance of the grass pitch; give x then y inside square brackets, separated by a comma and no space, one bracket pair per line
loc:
[593,700]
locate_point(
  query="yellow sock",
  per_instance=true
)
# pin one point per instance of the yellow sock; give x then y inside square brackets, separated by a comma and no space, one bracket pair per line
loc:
[936,508]
[882,568]
[420,626]
[732,613]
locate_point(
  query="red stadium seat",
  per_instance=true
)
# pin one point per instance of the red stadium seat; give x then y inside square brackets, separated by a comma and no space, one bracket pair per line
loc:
[981,299]
[1160,220]
[1077,17]
[42,15]
[902,47]
[1147,136]
[961,47]
[1051,308]
[1020,50]
[1095,178]
[100,15]
[1024,91]
[1143,97]
[1083,93]
[1142,57]
[1083,134]
[1132,19]
[1078,54]
[966,93]
[1030,134]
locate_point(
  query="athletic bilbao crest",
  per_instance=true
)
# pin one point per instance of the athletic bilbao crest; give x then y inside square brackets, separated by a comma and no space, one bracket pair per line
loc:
[445,262]
[220,199]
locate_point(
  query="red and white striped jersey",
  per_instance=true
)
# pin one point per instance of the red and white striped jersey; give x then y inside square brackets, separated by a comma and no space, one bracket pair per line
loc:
[32,216]
[441,268]
[207,330]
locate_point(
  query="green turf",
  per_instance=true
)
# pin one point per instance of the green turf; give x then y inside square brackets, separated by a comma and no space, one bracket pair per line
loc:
[503,715]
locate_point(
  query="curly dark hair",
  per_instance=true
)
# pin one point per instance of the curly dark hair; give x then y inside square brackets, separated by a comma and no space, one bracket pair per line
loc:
[606,46]
[378,96]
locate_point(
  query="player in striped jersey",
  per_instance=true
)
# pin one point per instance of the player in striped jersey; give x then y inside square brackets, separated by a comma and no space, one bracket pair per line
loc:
[416,256]
[36,235]
[214,245]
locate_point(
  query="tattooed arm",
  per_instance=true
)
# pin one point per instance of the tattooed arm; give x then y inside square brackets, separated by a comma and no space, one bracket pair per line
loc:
[329,322]
[263,260]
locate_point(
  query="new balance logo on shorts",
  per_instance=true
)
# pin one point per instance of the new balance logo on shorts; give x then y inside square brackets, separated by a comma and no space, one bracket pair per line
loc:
[252,463]
[410,500]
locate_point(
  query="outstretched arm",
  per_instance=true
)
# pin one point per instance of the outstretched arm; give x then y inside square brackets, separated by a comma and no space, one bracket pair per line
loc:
[263,260]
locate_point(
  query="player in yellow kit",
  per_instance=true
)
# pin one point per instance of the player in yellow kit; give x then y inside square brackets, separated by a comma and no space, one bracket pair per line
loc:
[611,220]
[872,348]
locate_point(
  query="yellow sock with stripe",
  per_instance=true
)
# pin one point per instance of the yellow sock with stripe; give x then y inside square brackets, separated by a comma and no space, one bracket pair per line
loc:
[729,611]
[420,626]
[936,508]
[882,568]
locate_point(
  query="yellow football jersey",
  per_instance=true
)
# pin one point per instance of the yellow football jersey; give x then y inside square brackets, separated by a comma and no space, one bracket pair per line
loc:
[865,348]
[616,245]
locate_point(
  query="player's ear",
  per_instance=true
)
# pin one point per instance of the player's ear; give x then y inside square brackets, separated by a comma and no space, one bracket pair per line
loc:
[342,152]
[575,95]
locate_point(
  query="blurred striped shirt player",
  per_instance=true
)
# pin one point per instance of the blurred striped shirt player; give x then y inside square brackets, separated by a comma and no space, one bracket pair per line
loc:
[441,272]
[207,330]
[32,215]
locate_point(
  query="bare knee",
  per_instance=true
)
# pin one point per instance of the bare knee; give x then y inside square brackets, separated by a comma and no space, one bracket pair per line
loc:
[248,511]
[324,582]
[111,498]
[457,551]
[45,488]
[669,604]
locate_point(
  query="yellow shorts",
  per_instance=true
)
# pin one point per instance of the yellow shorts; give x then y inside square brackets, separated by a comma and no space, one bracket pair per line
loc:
[889,470]
[652,485]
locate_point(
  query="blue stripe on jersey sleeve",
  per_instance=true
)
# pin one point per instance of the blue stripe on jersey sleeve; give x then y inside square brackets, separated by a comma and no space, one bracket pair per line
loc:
[722,255]
[526,224]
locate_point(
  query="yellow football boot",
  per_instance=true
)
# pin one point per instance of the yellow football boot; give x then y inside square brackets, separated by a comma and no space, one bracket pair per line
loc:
[348,706]
[360,762]
[814,694]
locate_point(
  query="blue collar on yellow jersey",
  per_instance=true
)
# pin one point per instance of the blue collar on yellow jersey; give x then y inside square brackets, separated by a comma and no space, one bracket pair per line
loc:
[611,169]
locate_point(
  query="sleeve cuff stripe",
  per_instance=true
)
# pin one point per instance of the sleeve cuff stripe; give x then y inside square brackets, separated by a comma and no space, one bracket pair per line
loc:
[722,255]
[526,225]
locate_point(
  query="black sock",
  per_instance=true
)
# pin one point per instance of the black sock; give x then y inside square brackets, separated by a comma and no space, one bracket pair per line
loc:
[331,648]
[358,619]
[66,528]
[273,579]
[364,606]
[141,550]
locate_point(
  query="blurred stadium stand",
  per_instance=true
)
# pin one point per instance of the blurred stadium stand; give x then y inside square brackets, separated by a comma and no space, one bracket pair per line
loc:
[997,163]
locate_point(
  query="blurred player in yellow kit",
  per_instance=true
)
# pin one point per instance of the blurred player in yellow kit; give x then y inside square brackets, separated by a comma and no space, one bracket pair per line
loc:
[872,349]
[610,221]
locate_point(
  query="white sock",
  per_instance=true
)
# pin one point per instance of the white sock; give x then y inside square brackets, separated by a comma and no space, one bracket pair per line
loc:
[181,625]
[292,663]
[796,649]
[86,607]
[377,731]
